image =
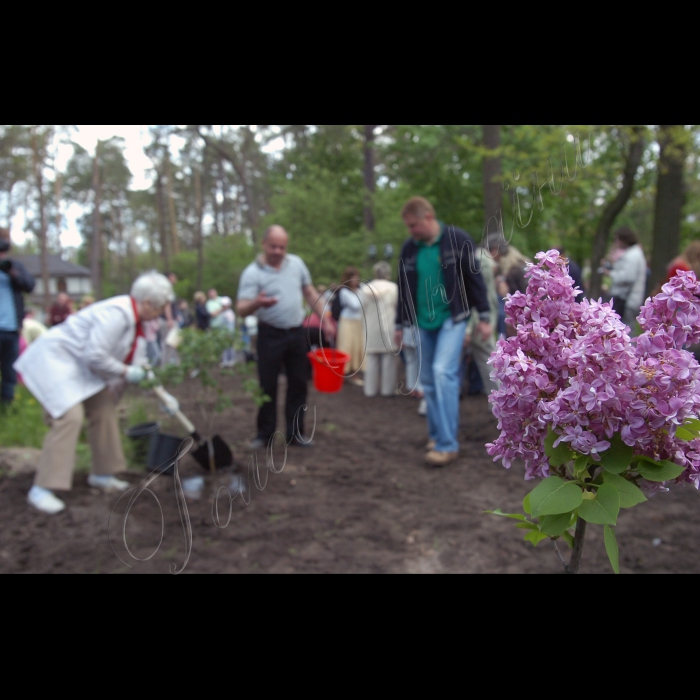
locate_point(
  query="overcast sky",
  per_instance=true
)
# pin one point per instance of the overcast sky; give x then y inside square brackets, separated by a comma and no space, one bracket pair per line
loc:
[135,138]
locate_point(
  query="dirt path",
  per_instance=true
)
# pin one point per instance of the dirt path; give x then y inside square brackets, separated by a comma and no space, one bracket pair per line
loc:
[361,501]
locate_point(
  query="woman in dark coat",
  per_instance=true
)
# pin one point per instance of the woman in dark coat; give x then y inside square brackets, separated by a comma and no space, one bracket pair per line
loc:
[200,311]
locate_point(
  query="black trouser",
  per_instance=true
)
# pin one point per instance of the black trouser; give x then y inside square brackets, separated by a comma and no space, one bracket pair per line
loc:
[9,351]
[619,307]
[277,347]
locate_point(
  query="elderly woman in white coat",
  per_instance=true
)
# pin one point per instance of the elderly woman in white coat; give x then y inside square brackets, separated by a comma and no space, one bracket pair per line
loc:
[79,369]
[379,299]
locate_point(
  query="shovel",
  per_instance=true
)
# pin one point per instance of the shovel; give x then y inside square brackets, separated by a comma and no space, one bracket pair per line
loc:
[209,454]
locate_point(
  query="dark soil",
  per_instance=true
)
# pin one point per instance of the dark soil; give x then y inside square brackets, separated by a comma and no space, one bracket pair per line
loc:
[361,501]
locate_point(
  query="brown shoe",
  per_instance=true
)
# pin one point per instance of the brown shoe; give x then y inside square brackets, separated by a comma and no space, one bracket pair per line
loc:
[430,446]
[440,459]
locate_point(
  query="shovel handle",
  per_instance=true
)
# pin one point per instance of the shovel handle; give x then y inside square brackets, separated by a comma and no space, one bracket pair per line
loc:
[162,395]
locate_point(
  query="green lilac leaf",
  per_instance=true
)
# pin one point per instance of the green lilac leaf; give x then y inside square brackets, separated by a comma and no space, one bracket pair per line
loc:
[685,435]
[581,463]
[555,525]
[526,504]
[611,548]
[558,455]
[553,496]
[617,457]
[658,471]
[630,495]
[604,509]
[692,425]
[535,537]
[498,511]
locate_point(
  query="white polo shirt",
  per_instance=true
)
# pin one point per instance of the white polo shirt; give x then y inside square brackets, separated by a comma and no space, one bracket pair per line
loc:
[286,284]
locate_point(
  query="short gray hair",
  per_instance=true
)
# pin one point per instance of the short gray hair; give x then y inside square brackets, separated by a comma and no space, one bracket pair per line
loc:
[497,242]
[154,288]
[382,270]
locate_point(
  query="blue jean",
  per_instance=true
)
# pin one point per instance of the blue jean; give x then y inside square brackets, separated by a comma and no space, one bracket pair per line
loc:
[441,352]
[9,352]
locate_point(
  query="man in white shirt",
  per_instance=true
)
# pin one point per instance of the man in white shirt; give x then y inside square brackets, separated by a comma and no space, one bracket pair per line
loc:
[273,287]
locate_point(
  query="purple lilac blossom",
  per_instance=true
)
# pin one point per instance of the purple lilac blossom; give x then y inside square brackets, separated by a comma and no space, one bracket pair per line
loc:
[573,367]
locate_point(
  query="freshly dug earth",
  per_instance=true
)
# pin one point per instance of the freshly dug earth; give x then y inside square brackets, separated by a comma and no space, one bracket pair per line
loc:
[361,501]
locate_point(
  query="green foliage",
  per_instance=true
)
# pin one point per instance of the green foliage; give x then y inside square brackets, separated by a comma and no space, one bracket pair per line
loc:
[630,495]
[560,454]
[199,352]
[611,548]
[556,525]
[689,430]
[617,457]
[603,509]
[553,496]
[22,423]
[225,258]
[498,511]
[658,471]
[589,490]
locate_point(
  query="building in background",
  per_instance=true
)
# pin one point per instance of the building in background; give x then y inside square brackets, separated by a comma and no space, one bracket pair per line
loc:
[64,276]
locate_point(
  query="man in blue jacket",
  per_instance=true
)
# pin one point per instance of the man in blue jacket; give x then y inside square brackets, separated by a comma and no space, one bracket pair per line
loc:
[439,286]
[14,280]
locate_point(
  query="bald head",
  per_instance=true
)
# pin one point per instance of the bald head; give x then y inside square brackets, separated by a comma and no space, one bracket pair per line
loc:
[275,231]
[275,245]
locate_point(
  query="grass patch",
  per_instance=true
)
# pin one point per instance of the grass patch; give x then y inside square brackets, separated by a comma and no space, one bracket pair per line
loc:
[22,422]
[22,425]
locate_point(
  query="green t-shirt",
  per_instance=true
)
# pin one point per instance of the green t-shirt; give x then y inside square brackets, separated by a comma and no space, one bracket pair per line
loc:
[431,309]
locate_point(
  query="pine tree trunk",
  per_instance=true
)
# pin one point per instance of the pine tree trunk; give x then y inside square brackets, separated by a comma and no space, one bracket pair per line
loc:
[59,218]
[224,200]
[493,187]
[370,184]
[96,250]
[670,198]
[611,211]
[199,233]
[171,207]
[160,207]
[43,243]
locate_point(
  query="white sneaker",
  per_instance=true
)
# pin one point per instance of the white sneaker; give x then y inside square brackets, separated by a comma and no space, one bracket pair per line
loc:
[44,500]
[108,483]
[422,407]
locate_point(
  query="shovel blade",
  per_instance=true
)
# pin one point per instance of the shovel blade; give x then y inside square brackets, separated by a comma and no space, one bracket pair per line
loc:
[223,456]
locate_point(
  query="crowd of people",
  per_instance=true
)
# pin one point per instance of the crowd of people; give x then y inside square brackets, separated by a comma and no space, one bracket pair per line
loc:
[211,311]
[423,329]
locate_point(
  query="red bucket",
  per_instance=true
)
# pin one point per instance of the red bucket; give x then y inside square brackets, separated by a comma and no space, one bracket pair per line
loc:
[329,369]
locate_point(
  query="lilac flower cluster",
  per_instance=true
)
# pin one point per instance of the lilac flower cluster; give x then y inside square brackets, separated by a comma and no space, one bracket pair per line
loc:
[573,367]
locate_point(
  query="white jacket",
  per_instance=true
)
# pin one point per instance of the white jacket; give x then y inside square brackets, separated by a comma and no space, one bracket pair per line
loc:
[379,299]
[78,358]
[628,280]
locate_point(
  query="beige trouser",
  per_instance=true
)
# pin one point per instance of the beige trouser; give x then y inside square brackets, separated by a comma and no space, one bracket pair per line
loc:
[57,461]
[376,364]
[351,339]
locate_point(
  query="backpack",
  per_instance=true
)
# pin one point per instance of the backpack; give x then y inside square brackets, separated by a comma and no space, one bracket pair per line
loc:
[336,306]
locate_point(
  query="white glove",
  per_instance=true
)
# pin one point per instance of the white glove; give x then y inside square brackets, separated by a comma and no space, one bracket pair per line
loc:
[135,375]
[169,404]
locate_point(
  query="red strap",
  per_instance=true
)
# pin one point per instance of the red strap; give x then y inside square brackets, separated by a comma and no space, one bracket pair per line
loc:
[139,334]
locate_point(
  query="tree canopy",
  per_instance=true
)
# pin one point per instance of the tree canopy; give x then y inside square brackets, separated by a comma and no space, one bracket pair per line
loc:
[338,190]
